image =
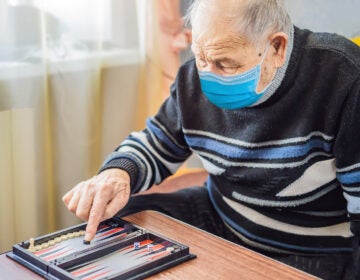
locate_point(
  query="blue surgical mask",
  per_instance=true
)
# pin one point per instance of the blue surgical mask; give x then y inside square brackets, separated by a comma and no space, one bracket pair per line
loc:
[232,92]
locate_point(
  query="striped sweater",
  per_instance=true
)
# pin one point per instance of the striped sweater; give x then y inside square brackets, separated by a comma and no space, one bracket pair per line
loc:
[285,173]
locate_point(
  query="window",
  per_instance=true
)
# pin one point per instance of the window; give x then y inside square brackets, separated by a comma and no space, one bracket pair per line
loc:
[65,29]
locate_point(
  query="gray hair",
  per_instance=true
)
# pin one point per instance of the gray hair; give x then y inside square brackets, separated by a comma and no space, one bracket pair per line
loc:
[255,20]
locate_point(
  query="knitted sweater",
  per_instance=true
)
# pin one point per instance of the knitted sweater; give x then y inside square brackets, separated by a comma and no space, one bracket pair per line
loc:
[285,173]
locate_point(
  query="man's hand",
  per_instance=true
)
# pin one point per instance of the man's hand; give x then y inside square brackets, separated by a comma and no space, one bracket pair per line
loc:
[99,198]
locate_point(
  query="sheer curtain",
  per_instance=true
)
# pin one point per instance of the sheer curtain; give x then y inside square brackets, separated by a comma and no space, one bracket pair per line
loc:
[74,80]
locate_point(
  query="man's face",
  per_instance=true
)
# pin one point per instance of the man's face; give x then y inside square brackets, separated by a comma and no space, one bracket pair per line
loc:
[219,50]
[225,54]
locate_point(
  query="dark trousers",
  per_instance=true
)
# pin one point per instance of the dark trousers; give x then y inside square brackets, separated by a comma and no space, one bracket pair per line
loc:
[194,207]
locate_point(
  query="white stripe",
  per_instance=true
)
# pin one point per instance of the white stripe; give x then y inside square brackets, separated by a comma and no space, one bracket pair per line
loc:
[347,189]
[142,135]
[158,145]
[316,176]
[139,152]
[227,163]
[348,168]
[342,229]
[353,203]
[288,203]
[211,168]
[261,144]
[166,132]
[171,166]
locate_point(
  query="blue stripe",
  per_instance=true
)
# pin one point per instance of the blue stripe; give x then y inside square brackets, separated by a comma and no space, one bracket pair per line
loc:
[349,178]
[270,242]
[237,152]
[162,168]
[165,139]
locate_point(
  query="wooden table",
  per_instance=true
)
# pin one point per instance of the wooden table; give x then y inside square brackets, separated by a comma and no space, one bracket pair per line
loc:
[216,258]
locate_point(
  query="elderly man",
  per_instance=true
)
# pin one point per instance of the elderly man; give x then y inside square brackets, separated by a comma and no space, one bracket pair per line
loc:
[273,113]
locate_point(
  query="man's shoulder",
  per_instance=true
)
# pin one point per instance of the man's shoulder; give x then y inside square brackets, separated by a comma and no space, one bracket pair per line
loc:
[189,65]
[188,70]
[332,42]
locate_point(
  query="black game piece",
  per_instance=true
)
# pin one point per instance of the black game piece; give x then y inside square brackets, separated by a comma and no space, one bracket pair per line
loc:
[86,242]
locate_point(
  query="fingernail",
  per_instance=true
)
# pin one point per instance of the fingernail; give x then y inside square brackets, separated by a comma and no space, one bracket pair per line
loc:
[86,239]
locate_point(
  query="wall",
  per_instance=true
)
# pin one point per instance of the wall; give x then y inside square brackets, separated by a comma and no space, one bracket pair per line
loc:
[342,17]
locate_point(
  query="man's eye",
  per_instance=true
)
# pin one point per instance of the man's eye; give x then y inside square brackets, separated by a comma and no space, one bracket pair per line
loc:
[227,69]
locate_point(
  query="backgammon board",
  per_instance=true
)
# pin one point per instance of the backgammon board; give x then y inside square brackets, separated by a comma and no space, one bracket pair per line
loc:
[119,250]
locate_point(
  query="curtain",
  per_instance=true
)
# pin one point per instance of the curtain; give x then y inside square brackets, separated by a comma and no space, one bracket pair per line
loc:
[75,79]
[166,42]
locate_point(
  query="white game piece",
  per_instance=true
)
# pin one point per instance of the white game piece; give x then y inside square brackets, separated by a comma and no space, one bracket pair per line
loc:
[170,249]
[32,245]
[64,237]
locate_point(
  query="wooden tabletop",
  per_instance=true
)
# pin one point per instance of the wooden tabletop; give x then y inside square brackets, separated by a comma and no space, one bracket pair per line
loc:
[216,257]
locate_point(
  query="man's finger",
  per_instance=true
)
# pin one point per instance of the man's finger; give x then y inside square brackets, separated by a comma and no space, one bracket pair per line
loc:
[67,197]
[84,206]
[95,217]
[73,203]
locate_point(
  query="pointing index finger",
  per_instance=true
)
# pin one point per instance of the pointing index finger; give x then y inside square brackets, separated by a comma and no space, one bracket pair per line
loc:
[96,213]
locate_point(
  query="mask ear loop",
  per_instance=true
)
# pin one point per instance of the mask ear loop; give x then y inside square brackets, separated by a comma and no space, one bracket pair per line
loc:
[265,53]
[260,68]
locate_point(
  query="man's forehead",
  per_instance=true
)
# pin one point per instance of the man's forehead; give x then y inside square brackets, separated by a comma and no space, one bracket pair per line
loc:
[216,40]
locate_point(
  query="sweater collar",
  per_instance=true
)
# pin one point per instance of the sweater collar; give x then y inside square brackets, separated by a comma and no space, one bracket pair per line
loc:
[280,73]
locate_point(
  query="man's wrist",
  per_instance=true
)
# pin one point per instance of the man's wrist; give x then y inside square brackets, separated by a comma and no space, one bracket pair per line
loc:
[125,165]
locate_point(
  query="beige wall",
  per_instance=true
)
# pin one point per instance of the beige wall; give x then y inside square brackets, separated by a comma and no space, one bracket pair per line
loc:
[342,17]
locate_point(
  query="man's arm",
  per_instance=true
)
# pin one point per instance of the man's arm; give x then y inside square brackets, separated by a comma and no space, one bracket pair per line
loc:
[143,159]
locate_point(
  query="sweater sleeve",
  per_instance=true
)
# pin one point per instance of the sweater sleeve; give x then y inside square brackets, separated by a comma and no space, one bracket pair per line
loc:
[151,155]
[347,153]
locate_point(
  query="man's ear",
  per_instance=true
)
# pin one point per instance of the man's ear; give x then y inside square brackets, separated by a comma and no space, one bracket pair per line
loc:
[279,42]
